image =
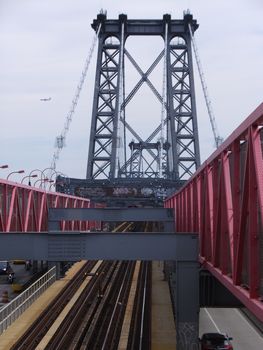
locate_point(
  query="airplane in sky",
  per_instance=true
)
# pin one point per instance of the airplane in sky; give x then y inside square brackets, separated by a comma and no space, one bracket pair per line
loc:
[45,99]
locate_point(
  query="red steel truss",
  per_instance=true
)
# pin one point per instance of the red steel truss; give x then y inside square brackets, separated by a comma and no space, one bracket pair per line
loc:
[223,201]
[24,208]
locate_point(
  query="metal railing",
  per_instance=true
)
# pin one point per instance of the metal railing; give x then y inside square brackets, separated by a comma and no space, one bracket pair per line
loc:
[223,201]
[25,209]
[10,312]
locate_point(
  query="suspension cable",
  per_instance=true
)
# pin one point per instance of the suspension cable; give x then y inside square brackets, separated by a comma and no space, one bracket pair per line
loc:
[60,140]
[218,139]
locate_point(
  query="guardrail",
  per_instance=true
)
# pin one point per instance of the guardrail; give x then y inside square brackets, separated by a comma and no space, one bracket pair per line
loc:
[223,201]
[10,312]
[24,208]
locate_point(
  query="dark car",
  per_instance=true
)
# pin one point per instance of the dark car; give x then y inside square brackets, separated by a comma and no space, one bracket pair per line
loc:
[218,341]
[6,269]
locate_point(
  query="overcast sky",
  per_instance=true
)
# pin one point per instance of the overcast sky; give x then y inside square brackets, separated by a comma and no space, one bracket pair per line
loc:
[44,45]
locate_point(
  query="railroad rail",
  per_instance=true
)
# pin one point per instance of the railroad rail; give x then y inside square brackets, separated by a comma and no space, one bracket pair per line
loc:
[140,330]
[96,318]
[39,328]
[97,315]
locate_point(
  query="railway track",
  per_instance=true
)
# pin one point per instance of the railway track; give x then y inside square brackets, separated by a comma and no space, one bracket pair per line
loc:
[95,319]
[96,322]
[140,331]
[38,329]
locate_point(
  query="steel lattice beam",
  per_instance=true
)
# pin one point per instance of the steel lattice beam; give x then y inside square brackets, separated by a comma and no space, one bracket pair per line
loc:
[25,208]
[180,158]
[223,201]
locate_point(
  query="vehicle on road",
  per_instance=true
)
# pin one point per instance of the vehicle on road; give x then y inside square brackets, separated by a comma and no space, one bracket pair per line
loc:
[6,269]
[215,341]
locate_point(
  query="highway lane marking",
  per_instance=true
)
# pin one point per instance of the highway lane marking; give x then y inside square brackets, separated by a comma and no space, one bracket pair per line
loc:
[212,320]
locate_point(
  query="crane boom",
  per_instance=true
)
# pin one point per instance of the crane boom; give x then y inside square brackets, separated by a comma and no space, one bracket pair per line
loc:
[60,139]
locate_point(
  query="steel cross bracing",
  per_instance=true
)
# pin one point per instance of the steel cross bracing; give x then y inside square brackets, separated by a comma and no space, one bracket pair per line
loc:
[25,208]
[171,151]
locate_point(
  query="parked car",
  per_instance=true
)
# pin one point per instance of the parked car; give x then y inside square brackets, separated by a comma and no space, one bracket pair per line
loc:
[215,341]
[6,269]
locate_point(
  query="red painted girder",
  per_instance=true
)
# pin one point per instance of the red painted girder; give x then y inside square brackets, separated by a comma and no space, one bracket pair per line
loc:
[228,207]
[255,305]
[255,117]
[24,208]
[228,212]
[255,191]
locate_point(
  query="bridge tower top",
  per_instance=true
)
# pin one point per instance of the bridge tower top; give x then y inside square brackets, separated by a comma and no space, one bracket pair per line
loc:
[174,153]
[144,26]
[127,146]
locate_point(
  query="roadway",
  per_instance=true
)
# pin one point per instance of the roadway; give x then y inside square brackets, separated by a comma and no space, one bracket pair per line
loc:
[21,277]
[234,323]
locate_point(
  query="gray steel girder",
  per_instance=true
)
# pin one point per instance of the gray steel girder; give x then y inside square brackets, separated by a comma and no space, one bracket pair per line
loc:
[111,214]
[74,246]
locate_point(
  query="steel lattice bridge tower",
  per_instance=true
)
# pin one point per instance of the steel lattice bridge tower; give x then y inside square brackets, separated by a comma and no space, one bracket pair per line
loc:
[118,155]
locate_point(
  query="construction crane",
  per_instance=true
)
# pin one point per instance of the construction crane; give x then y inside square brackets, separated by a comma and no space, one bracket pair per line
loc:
[218,139]
[60,139]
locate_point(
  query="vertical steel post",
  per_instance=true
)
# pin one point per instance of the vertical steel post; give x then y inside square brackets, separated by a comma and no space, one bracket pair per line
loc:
[179,155]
